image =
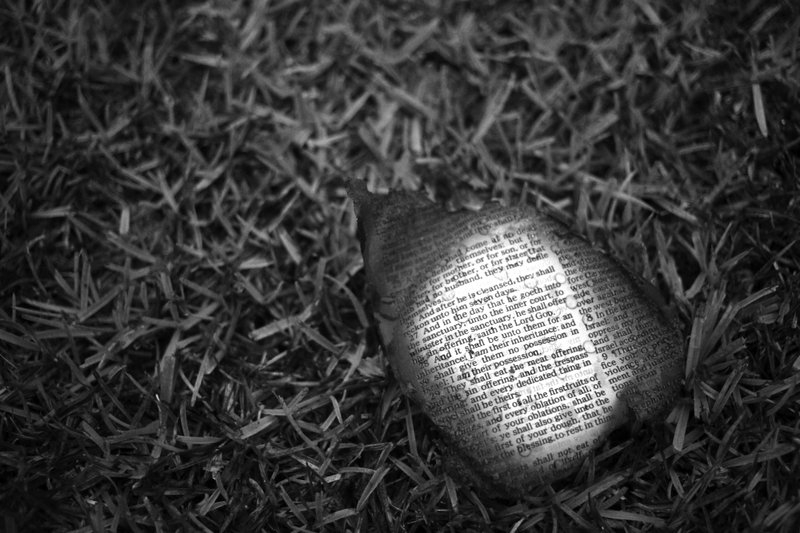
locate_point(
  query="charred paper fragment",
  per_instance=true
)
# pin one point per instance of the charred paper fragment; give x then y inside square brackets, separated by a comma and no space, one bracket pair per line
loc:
[521,342]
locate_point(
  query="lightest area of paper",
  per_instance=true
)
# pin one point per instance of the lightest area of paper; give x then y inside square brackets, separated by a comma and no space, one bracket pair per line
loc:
[524,344]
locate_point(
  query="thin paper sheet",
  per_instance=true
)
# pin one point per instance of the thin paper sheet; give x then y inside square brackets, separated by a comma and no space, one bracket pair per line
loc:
[523,343]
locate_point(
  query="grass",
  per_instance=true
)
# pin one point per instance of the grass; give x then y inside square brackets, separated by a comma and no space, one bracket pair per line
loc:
[184,343]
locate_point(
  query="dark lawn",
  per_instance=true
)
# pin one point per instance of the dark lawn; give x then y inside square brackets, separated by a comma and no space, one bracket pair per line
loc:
[184,338]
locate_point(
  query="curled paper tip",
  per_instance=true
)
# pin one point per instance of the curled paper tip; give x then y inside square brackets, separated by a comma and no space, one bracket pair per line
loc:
[521,342]
[357,190]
